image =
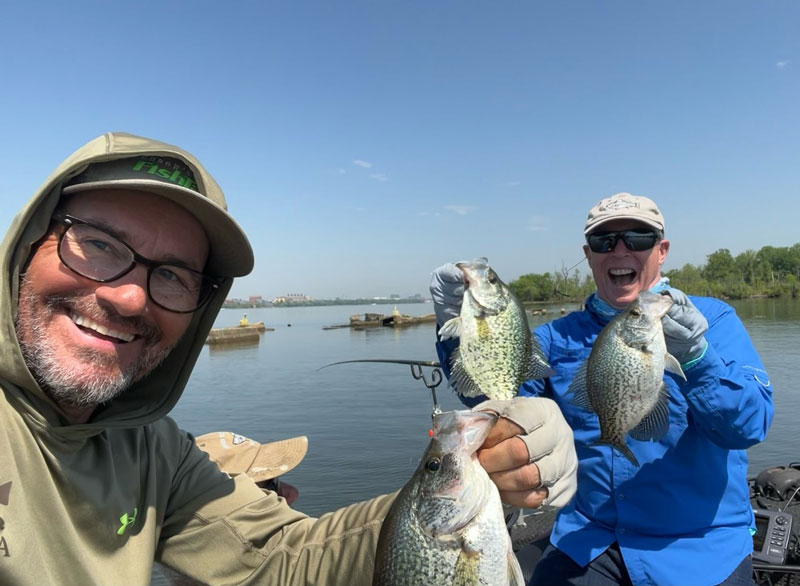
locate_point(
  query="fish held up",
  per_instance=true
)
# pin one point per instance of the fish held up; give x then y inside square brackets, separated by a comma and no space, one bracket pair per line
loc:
[622,380]
[446,525]
[496,351]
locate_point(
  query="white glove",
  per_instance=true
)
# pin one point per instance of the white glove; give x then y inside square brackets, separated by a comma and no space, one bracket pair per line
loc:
[684,328]
[549,440]
[447,291]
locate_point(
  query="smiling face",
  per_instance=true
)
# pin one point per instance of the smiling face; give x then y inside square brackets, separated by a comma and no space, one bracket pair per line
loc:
[86,342]
[621,274]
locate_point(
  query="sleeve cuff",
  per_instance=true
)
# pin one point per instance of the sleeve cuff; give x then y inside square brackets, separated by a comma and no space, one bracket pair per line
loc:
[687,365]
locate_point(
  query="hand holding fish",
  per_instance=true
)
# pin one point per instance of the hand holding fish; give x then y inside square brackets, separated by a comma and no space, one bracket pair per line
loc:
[684,328]
[446,525]
[530,452]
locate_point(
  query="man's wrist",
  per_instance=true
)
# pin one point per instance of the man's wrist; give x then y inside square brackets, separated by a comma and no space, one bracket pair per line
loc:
[694,355]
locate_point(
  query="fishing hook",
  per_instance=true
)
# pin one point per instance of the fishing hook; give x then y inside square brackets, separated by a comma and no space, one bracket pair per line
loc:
[436,380]
[416,371]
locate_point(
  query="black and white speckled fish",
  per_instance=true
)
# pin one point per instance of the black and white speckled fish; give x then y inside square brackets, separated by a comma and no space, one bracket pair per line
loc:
[496,351]
[446,525]
[622,380]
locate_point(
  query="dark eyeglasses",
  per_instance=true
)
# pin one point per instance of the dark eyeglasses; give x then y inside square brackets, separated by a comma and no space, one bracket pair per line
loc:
[635,240]
[92,252]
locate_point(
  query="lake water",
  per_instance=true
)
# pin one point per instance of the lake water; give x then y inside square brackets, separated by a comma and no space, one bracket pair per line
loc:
[368,424]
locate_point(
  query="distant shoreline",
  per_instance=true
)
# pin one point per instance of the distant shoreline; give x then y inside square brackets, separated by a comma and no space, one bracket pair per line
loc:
[240,304]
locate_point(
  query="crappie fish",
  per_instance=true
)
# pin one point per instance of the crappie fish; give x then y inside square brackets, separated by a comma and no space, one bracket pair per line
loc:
[496,351]
[446,525]
[622,380]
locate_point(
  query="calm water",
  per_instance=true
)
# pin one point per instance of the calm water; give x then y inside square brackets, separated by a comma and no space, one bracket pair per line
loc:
[368,424]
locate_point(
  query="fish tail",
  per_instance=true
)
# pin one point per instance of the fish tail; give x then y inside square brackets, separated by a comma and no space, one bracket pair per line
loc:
[627,453]
[621,447]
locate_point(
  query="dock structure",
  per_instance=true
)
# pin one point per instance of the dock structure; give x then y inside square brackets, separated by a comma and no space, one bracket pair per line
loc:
[242,333]
[377,320]
[394,320]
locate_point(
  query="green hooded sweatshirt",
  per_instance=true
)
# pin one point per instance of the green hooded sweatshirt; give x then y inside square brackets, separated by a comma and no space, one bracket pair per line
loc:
[96,503]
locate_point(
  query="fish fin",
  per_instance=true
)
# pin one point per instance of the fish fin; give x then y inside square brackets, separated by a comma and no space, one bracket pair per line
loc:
[466,570]
[620,446]
[672,365]
[578,389]
[450,329]
[460,379]
[655,424]
[626,451]
[515,575]
[538,366]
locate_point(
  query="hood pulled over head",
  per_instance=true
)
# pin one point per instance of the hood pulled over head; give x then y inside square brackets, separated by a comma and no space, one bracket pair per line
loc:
[124,161]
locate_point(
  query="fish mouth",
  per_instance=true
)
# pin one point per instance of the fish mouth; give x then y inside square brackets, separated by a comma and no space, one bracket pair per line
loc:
[473,271]
[657,303]
[437,497]
[478,283]
[622,276]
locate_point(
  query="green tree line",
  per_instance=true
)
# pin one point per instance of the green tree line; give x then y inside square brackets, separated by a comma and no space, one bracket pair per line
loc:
[769,272]
[555,287]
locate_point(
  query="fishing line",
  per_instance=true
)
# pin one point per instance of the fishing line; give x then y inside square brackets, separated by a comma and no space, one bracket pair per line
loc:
[555,289]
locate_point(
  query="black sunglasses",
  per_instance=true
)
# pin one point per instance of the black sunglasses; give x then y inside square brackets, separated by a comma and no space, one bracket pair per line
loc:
[635,240]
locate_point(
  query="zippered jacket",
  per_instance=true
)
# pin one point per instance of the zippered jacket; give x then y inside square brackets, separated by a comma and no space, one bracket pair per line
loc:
[96,503]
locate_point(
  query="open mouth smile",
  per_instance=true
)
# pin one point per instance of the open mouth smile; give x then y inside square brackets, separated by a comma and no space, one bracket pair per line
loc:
[100,330]
[622,277]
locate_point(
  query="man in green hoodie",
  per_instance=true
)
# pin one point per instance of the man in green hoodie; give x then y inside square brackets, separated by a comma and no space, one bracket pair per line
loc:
[115,271]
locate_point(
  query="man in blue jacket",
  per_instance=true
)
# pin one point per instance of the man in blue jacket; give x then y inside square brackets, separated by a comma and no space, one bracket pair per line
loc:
[683,516]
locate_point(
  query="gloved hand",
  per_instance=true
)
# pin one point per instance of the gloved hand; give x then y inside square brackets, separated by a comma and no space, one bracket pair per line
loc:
[684,328]
[530,452]
[447,290]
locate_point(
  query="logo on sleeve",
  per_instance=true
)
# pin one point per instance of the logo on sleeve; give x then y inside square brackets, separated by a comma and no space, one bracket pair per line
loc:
[127,520]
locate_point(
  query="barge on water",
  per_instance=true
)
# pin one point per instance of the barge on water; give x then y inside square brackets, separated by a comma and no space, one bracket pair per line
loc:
[373,320]
[247,332]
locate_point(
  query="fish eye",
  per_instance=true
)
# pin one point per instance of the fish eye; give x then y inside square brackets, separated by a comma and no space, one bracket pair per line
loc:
[433,464]
[636,312]
[491,277]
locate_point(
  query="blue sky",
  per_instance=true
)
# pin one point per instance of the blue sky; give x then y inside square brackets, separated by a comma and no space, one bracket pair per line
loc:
[362,144]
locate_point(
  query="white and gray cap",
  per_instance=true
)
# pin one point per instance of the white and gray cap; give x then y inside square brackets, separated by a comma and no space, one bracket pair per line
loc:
[624,206]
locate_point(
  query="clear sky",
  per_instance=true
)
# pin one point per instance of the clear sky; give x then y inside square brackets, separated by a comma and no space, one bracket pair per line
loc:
[362,144]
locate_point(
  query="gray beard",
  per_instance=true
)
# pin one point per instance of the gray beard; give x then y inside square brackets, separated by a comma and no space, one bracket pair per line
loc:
[60,381]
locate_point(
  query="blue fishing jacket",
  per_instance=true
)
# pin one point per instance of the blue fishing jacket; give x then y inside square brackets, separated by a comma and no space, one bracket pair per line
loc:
[683,516]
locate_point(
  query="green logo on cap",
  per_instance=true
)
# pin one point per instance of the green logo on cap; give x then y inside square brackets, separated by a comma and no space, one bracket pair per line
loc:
[172,175]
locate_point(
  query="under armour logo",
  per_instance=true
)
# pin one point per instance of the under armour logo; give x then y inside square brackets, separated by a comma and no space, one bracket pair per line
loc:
[127,521]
